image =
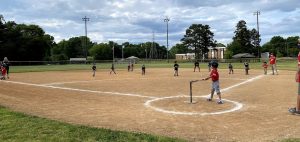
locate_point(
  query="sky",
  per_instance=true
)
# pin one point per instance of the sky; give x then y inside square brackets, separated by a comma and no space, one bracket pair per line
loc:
[138,21]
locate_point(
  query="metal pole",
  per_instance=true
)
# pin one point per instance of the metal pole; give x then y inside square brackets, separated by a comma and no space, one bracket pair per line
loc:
[85,19]
[122,52]
[167,21]
[113,53]
[191,92]
[257,36]
[146,52]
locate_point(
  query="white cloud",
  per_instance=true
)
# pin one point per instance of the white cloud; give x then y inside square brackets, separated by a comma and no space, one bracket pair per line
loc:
[135,20]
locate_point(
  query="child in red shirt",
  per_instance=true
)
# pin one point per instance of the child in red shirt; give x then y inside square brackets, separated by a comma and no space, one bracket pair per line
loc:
[265,66]
[214,75]
[3,72]
[297,108]
[272,60]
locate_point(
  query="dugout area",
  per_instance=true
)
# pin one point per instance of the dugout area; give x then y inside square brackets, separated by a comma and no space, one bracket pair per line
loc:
[132,102]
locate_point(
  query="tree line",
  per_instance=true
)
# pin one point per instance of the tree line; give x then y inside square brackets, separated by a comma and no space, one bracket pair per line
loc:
[24,42]
[21,42]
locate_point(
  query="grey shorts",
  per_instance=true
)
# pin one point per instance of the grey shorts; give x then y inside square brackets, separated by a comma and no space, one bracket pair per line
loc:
[298,88]
[215,86]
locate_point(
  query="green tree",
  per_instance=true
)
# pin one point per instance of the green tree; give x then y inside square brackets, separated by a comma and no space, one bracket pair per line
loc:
[234,48]
[255,41]
[24,42]
[243,37]
[71,48]
[282,46]
[179,49]
[199,37]
[244,40]
[102,51]
[58,51]
[291,46]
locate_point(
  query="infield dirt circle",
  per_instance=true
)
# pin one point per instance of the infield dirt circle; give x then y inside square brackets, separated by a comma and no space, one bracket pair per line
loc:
[255,107]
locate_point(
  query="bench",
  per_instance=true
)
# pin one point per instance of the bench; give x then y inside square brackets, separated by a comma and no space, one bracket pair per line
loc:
[77,60]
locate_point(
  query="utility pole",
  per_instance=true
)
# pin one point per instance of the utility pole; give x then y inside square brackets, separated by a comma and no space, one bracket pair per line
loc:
[145,51]
[122,52]
[113,53]
[153,51]
[167,21]
[85,19]
[257,36]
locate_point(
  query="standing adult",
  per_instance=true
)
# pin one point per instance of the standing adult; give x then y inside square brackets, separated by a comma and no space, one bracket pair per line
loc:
[247,68]
[209,66]
[7,64]
[272,60]
[94,68]
[112,69]
[176,66]
[143,70]
[196,65]
[297,108]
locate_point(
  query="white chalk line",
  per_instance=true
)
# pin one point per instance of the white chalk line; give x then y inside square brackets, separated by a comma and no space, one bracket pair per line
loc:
[148,103]
[100,80]
[238,105]
[88,81]
[81,90]
[84,81]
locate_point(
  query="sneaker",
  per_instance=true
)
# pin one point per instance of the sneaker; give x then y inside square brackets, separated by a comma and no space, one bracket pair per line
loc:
[220,102]
[292,110]
[209,99]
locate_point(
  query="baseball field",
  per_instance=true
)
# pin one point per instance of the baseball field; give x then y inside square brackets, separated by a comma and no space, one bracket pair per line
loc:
[255,105]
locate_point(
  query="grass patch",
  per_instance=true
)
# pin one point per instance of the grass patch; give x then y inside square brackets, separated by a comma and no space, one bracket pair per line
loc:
[291,140]
[21,127]
[282,65]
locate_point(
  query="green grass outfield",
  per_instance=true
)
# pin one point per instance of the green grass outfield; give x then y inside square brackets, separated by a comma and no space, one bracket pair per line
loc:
[16,126]
[20,127]
[283,65]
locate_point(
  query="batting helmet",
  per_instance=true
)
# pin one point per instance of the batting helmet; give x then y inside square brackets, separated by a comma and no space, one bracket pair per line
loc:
[214,64]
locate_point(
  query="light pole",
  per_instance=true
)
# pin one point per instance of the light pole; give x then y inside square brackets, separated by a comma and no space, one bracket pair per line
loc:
[85,19]
[113,53]
[122,52]
[257,36]
[145,51]
[167,21]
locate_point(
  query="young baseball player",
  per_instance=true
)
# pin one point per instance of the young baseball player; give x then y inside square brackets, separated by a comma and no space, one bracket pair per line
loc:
[143,70]
[230,67]
[176,66]
[272,60]
[214,75]
[265,66]
[7,64]
[3,71]
[128,67]
[296,110]
[94,69]
[131,66]
[196,65]
[209,66]
[112,69]
[246,64]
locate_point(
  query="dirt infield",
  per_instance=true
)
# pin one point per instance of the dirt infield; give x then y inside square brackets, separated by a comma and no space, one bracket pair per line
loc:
[255,107]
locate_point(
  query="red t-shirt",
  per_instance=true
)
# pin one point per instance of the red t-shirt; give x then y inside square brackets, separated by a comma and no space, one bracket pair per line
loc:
[3,71]
[272,59]
[214,75]
[299,59]
[265,65]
